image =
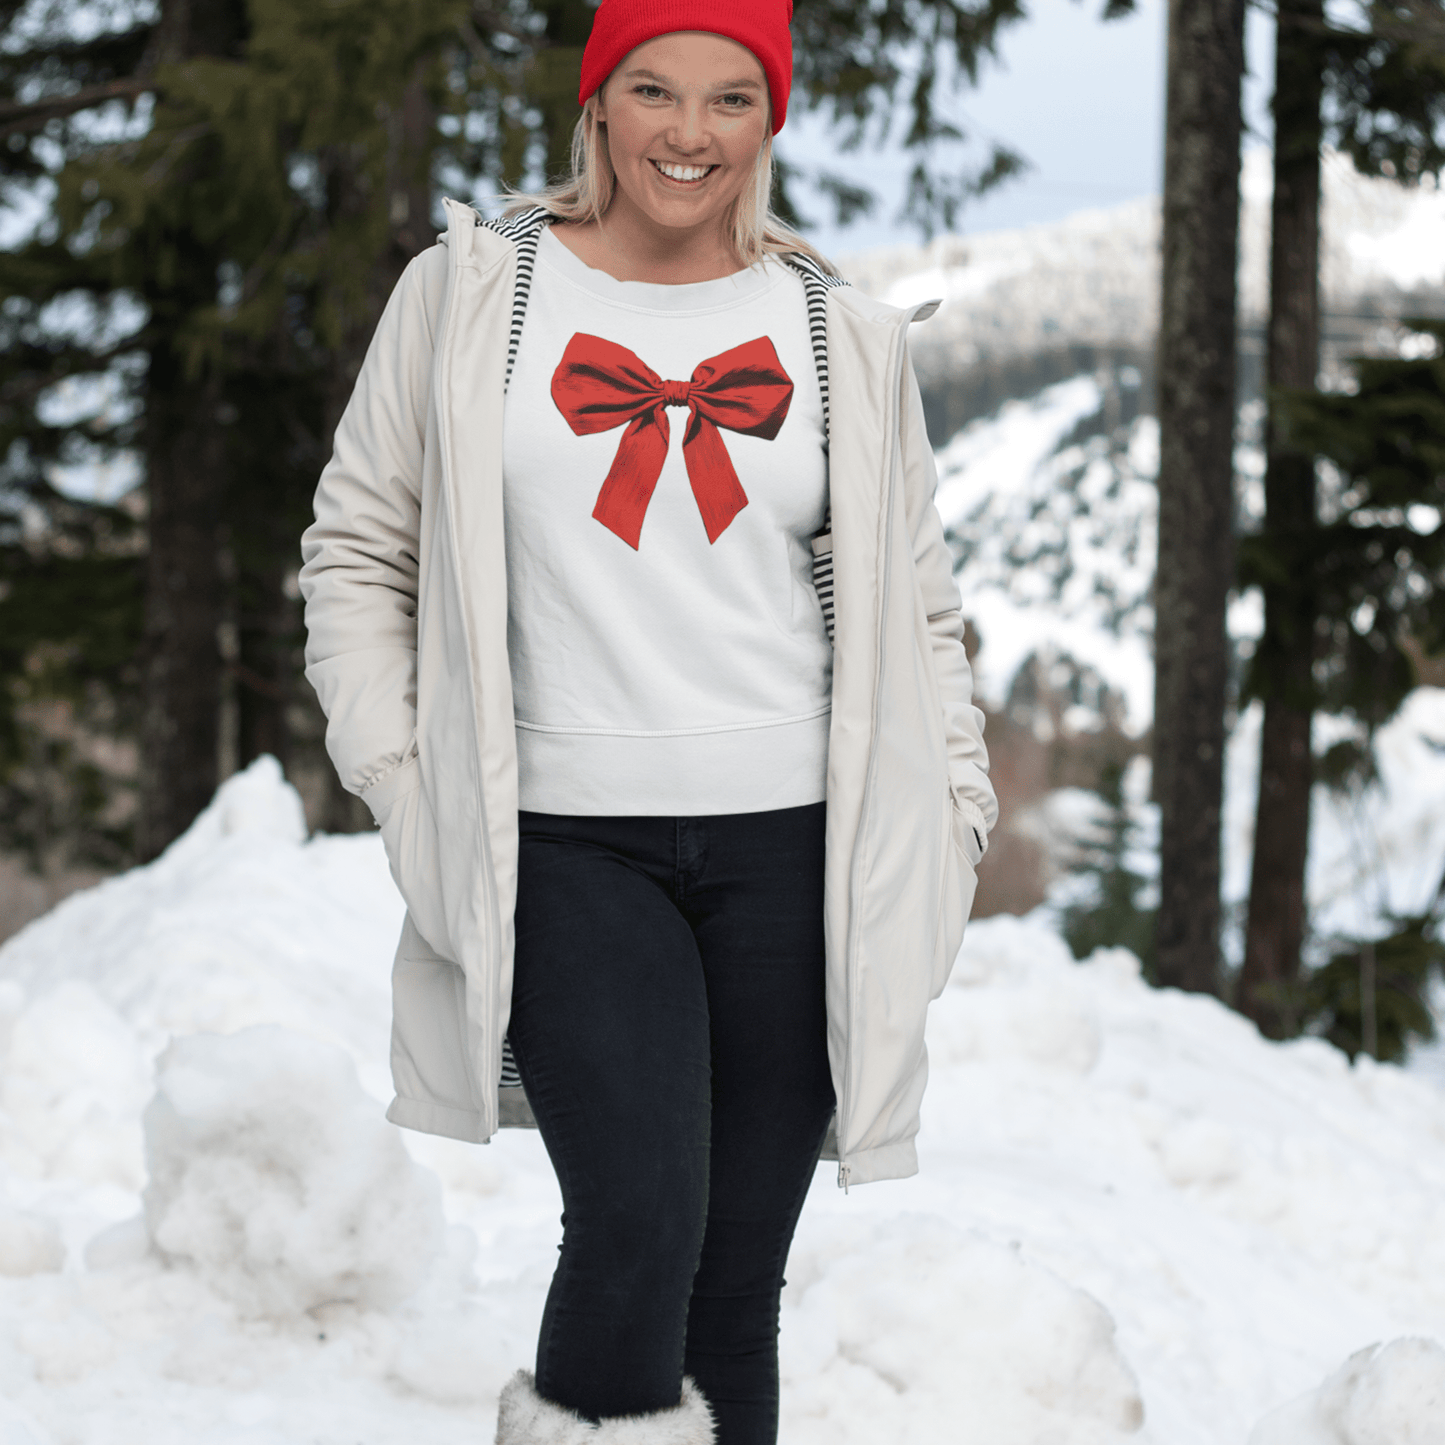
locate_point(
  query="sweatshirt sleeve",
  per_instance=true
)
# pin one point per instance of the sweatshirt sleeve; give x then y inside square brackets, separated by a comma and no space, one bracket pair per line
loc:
[933,563]
[361,555]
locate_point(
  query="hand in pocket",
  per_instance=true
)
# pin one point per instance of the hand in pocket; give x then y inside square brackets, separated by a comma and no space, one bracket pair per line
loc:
[959,883]
[408,830]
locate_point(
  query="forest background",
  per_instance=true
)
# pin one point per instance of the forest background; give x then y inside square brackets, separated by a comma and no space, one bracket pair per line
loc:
[222,193]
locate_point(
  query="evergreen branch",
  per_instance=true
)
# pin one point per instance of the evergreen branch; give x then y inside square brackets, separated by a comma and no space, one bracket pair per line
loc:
[1423,30]
[16,119]
[178,142]
[495,24]
[29,381]
[473,41]
[118,49]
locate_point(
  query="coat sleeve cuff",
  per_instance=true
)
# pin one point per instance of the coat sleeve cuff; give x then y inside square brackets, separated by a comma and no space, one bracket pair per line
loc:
[401,780]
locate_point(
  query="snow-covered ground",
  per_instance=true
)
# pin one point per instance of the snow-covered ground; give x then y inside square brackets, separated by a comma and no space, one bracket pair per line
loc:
[1135,1220]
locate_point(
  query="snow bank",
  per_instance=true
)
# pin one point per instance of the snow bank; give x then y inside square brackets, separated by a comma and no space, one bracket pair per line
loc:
[1247,1213]
[902,1328]
[273,1175]
[1135,1220]
[29,1244]
[1384,1395]
[240,922]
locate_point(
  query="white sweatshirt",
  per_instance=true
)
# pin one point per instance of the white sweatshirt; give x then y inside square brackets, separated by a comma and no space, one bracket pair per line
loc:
[680,675]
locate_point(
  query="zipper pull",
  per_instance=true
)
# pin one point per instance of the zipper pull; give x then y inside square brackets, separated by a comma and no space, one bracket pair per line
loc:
[843,1174]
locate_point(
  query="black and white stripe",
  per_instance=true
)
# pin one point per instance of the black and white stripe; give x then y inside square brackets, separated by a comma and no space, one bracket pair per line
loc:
[524,231]
[816,285]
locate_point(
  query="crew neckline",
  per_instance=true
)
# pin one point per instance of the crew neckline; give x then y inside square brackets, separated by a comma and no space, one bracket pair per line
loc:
[673,297]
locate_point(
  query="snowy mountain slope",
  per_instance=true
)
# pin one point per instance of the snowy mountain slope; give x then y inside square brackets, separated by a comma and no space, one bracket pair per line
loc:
[1052,511]
[1054,537]
[1093,277]
[1135,1220]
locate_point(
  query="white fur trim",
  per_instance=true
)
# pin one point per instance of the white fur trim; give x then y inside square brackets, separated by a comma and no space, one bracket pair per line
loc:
[525,1418]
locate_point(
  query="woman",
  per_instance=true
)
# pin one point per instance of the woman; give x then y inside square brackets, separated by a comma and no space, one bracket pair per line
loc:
[700,868]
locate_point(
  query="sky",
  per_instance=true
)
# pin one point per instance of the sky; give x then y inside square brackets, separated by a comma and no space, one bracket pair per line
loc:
[1081,99]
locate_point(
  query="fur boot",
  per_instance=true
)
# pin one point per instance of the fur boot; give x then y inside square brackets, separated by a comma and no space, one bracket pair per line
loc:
[525,1418]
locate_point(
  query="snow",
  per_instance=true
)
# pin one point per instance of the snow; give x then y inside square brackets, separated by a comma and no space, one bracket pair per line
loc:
[271,1176]
[1385,1395]
[1375,852]
[1093,277]
[1057,539]
[1135,1219]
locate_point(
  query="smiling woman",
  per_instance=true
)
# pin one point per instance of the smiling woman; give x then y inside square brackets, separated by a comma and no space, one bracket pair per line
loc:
[675,868]
[674,148]
[686,120]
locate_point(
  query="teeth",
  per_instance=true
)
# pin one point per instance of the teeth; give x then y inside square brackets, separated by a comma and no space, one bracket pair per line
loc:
[682,173]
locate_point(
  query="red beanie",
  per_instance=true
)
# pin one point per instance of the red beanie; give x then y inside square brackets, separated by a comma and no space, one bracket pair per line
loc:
[621,26]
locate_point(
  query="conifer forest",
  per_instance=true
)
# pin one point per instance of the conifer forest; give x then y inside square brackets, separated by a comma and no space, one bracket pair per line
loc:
[209,201]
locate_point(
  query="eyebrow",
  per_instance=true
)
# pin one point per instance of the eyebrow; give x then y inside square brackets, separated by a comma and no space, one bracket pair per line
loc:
[639,74]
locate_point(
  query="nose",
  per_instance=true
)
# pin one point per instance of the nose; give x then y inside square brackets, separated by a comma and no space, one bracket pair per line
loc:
[688,131]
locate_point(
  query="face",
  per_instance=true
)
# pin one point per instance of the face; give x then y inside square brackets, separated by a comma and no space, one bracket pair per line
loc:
[685,115]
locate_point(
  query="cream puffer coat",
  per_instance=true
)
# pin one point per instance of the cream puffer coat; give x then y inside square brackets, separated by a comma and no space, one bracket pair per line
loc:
[405,582]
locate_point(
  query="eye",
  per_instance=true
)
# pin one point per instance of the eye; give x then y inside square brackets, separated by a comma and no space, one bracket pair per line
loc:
[735,100]
[650,92]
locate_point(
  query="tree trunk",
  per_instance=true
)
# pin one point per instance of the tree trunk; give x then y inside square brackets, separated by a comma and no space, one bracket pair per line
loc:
[1196,476]
[1275,928]
[181,681]
[265,668]
[185,487]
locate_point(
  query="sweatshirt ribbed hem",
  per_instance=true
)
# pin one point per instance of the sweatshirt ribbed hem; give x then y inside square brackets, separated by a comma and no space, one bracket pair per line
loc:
[743,770]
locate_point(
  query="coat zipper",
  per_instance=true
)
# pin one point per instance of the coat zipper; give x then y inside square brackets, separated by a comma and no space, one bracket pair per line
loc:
[895,370]
[448,474]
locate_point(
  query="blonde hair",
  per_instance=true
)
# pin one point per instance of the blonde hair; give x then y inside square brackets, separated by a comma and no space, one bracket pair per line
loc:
[585,195]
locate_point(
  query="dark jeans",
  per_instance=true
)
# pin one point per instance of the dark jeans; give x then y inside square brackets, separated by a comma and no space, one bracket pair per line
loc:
[669,1025]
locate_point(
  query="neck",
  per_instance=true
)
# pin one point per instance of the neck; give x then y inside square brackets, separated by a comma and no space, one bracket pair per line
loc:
[630,246]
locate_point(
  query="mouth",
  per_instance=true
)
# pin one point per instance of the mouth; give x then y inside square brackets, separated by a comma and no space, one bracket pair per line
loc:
[683,175]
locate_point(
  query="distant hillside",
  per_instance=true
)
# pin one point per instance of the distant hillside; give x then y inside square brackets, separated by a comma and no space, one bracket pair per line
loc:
[1024,309]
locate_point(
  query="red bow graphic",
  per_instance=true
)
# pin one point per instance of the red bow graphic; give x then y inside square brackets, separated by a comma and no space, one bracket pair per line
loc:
[599,385]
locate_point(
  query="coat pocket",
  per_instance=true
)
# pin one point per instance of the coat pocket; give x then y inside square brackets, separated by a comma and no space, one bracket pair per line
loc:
[408,831]
[958,885]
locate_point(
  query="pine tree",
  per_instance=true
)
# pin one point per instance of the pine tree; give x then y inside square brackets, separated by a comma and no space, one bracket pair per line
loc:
[255,220]
[1275,924]
[1374,574]
[1372,996]
[1115,914]
[1196,370]
[1386,92]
